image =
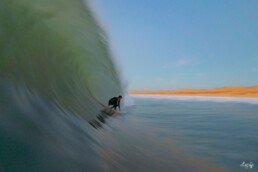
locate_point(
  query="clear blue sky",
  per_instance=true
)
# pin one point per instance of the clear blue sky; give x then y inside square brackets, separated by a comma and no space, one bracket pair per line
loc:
[169,44]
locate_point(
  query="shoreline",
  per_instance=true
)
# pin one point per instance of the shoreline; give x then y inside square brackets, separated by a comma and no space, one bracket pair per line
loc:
[235,91]
[191,95]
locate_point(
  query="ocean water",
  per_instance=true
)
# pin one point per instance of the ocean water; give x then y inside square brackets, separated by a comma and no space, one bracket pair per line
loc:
[155,134]
[221,131]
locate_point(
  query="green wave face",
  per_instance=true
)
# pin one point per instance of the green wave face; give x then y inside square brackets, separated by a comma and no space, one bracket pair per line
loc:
[57,48]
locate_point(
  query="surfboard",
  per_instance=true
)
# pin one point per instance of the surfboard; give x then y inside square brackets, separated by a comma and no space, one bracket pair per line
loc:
[121,112]
[109,111]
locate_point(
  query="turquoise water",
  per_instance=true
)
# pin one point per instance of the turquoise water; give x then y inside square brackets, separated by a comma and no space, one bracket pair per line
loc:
[57,48]
[56,74]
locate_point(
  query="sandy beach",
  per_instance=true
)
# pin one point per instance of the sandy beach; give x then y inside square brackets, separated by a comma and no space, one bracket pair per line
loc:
[228,91]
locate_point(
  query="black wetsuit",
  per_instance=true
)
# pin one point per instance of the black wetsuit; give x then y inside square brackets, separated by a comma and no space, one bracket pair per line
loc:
[114,102]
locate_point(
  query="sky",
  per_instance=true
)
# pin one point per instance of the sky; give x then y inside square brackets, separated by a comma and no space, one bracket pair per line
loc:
[173,44]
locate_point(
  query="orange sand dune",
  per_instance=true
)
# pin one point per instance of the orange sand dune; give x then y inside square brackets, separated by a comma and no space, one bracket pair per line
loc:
[231,91]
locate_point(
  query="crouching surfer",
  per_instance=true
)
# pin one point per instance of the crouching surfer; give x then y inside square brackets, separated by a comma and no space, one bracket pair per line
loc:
[115,102]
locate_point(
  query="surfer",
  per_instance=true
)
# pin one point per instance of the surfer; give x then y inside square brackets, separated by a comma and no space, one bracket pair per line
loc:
[115,102]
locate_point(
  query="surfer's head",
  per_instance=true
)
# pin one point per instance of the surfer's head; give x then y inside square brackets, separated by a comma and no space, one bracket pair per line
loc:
[119,97]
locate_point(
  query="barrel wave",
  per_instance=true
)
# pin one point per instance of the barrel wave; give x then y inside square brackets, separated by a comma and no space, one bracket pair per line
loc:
[56,74]
[57,49]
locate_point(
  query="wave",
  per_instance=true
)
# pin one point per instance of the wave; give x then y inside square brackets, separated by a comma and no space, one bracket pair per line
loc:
[58,49]
[56,74]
